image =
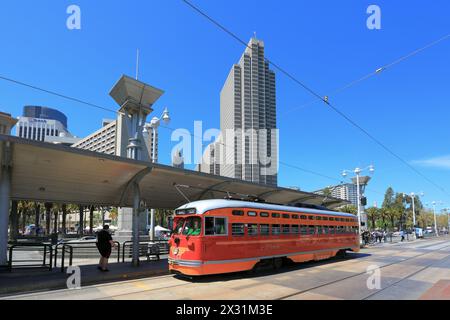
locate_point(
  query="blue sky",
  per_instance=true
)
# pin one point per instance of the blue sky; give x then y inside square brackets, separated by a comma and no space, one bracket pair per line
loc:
[326,44]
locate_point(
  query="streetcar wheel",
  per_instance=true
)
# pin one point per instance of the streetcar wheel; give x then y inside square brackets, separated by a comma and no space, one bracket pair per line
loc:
[277,263]
[341,253]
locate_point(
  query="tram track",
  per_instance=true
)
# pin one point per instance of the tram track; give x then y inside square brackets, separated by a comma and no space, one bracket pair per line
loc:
[158,285]
[363,273]
[311,288]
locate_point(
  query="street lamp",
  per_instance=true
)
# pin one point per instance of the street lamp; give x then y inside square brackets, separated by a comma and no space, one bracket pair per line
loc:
[357,172]
[435,220]
[153,125]
[413,197]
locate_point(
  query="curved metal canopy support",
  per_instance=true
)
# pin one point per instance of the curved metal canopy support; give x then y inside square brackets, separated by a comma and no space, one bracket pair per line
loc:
[130,184]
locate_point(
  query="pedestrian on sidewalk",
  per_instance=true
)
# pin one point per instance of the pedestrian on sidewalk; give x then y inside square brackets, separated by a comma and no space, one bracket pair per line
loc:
[104,246]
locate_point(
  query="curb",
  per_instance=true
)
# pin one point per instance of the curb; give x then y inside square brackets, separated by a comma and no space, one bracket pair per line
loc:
[60,282]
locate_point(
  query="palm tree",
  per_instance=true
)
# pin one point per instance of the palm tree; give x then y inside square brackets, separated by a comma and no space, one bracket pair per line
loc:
[349,209]
[373,214]
[24,208]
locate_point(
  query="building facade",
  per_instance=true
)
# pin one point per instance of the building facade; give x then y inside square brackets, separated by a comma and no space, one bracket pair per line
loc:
[7,122]
[105,140]
[346,191]
[44,124]
[249,139]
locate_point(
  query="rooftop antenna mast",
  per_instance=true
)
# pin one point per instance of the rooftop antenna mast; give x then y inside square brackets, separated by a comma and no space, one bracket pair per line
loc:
[137,64]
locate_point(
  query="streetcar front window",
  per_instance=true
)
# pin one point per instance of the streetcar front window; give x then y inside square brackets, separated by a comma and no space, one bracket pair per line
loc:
[192,227]
[178,226]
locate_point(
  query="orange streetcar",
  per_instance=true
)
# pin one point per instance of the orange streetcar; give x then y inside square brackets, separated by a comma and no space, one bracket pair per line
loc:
[220,236]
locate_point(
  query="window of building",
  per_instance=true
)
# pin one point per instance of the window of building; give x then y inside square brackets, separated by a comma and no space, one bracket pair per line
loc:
[264,229]
[238,213]
[237,229]
[252,229]
[215,226]
[276,229]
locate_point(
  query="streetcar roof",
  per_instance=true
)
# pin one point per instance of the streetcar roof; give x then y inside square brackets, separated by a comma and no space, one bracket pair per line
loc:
[203,206]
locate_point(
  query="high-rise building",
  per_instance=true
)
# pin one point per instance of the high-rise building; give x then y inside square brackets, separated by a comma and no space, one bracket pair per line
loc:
[105,140]
[44,124]
[249,148]
[346,191]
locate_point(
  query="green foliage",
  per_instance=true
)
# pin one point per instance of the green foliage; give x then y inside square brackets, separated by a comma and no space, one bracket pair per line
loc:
[349,209]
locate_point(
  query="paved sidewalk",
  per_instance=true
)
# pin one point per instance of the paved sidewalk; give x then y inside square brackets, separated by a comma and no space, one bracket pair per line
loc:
[30,280]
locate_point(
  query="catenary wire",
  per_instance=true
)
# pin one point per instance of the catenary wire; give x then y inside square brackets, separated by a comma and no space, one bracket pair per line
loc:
[325,98]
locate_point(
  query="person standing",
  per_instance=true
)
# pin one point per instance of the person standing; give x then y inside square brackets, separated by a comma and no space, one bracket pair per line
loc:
[104,246]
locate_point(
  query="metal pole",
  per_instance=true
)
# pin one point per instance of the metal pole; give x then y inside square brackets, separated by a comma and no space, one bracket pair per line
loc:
[5,194]
[414,215]
[136,201]
[435,221]
[152,211]
[358,195]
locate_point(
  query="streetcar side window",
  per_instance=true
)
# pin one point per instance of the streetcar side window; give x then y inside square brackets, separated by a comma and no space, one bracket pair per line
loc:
[303,217]
[215,226]
[251,214]
[238,213]
[294,229]
[311,217]
[275,215]
[331,219]
[264,229]
[275,229]
[325,218]
[252,229]
[331,229]
[264,214]
[318,218]
[295,216]
[285,216]
[286,229]
[237,229]
[311,230]
[303,230]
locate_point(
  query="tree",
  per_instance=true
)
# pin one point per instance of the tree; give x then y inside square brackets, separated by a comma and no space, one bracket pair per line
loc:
[373,215]
[388,198]
[349,209]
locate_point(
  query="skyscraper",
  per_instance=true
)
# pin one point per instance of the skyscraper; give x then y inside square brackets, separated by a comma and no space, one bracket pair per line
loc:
[249,148]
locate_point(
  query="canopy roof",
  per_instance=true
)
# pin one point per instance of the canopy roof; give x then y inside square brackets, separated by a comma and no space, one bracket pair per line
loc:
[55,173]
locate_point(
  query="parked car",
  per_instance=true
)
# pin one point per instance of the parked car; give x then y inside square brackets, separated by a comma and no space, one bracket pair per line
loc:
[86,239]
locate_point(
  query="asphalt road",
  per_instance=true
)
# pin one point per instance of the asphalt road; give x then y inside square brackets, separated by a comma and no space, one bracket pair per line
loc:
[409,270]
